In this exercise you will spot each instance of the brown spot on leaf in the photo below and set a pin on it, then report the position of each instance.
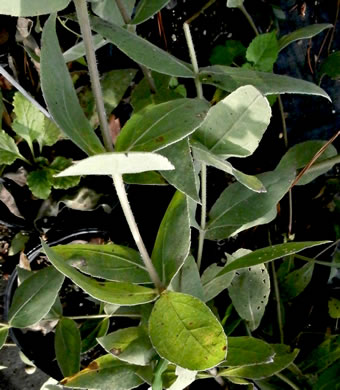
(64, 381)
(159, 139)
(93, 366)
(116, 351)
(224, 348)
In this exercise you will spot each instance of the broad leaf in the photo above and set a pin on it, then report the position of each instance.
(3, 336)
(295, 282)
(247, 351)
(59, 164)
(77, 51)
(184, 331)
(34, 298)
(235, 125)
(234, 3)
(67, 346)
(109, 11)
(118, 163)
(158, 126)
(121, 293)
(131, 345)
(40, 183)
(31, 7)
(9, 151)
(282, 359)
(172, 243)
(263, 51)
(105, 373)
(49, 134)
(111, 262)
(229, 79)
(302, 33)
(249, 292)
(146, 9)
(142, 51)
(331, 65)
(90, 330)
(60, 95)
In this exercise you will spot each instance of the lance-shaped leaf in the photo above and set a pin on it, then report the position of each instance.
(67, 346)
(142, 51)
(31, 7)
(109, 11)
(77, 51)
(111, 262)
(158, 126)
(146, 9)
(236, 124)
(229, 79)
(9, 151)
(184, 331)
(105, 373)
(173, 239)
(90, 330)
(60, 95)
(118, 163)
(303, 33)
(131, 345)
(34, 298)
(295, 282)
(3, 336)
(121, 293)
(282, 359)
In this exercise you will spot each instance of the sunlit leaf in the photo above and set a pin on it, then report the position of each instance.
(31, 7)
(9, 151)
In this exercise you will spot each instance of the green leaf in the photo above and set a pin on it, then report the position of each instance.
(183, 177)
(229, 79)
(157, 379)
(187, 280)
(234, 3)
(131, 345)
(109, 11)
(67, 346)
(334, 307)
(34, 298)
(158, 126)
(3, 336)
(295, 282)
(263, 51)
(329, 379)
(184, 331)
(282, 359)
(331, 65)
(172, 243)
(40, 183)
(247, 351)
(90, 330)
(56, 311)
(78, 51)
(49, 134)
(264, 255)
(121, 293)
(105, 373)
(9, 151)
(118, 163)
(142, 51)
(31, 7)
(18, 243)
(59, 164)
(145, 178)
(302, 33)
(236, 124)
(111, 262)
(146, 9)
(60, 95)
(227, 54)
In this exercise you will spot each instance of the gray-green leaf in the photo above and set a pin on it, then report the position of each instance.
(31, 7)
(9, 151)
(263, 51)
(146, 9)
(109, 11)
(234, 3)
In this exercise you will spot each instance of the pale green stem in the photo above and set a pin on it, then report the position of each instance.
(203, 214)
(84, 22)
(4, 325)
(333, 265)
(278, 302)
(102, 316)
(249, 18)
(130, 219)
(287, 380)
(335, 243)
(9, 345)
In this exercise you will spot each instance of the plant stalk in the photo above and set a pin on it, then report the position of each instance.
(287, 380)
(4, 325)
(242, 8)
(102, 316)
(203, 214)
(84, 22)
(333, 265)
(278, 302)
(124, 202)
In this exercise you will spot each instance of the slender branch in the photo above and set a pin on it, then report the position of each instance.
(287, 380)
(123, 12)
(335, 243)
(333, 265)
(249, 18)
(203, 214)
(84, 22)
(4, 325)
(278, 302)
(9, 345)
(102, 316)
(197, 14)
(124, 202)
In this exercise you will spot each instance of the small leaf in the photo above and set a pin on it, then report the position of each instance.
(109, 11)
(3, 336)
(67, 346)
(303, 33)
(49, 134)
(118, 163)
(331, 65)
(172, 243)
(60, 95)
(146, 9)
(90, 330)
(329, 379)
(131, 345)
(31, 7)
(106, 372)
(9, 151)
(121, 293)
(227, 54)
(263, 51)
(40, 183)
(295, 282)
(334, 307)
(34, 298)
(229, 79)
(18, 243)
(158, 126)
(234, 3)
(111, 262)
(59, 164)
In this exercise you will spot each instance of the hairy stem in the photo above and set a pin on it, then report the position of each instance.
(203, 214)
(84, 22)
(278, 302)
(124, 202)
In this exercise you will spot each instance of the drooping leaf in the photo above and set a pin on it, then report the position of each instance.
(249, 292)
(60, 95)
(31, 7)
(184, 331)
(227, 54)
(111, 262)
(334, 307)
(282, 359)
(331, 65)
(142, 51)
(67, 346)
(296, 281)
(263, 51)
(40, 183)
(131, 345)
(121, 293)
(158, 126)
(172, 243)
(118, 163)
(9, 151)
(234, 3)
(229, 79)
(105, 373)
(303, 33)
(34, 298)
(109, 11)
(3, 336)
(90, 330)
